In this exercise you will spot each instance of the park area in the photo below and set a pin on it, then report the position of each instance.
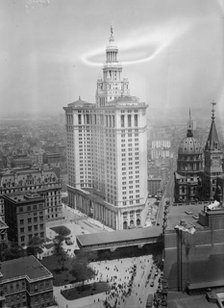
(61, 230)
(85, 290)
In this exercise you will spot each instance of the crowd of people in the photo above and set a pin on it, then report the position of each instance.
(129, 279)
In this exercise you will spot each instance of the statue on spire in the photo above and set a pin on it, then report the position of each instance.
(111, 34)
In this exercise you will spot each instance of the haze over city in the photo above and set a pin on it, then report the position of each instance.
(52, 52)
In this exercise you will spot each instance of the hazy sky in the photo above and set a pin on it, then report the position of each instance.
(172, 52)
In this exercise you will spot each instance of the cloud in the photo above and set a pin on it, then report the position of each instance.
(152, 40)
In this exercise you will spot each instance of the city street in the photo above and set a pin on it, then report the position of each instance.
(77, 223)
(119, 274)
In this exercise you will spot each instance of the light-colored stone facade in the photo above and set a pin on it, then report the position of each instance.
(107, 151)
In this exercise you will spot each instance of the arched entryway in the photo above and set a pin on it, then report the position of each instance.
(125, 225)
(132, 223)
(138, 222)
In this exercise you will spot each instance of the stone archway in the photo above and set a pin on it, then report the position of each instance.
(138, 222)
(125, 225)
(132, 223)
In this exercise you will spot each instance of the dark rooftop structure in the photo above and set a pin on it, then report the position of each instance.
(21, 198)
(27, 266)
(194, 247)
(109, 238)
(188, 213)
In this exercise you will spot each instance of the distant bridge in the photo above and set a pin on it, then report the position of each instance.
(121, 238)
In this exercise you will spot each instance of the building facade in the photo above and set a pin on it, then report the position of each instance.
(25, 282)
(188, 177)
(213, 156)
(107, 150)
(3, 232)
(44, 182)
(194, 247)
(25, 216)
(154, 185)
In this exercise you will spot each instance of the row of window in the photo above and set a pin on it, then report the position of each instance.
(31, 228)
(30, 220)
(129, 121)
(22, 238)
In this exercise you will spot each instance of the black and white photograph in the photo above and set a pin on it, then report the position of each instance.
(112, 153)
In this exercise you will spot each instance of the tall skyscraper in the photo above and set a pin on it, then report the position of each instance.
(107, 150)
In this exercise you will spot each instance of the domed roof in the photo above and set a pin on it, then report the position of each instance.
(189, 145)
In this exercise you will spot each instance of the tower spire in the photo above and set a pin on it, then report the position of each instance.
(111, 39)
(213, 140)
(189, 128)
(213, 110)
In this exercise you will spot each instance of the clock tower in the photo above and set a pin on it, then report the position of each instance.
(213, 160)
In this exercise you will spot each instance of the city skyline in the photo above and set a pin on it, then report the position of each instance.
(53, 52)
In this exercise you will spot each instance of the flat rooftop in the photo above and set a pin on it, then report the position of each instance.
(118, 236)
(27, 266)
(18, 198)
(188, 213)
(180, 299)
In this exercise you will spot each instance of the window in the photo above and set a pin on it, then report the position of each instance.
(129, 120)
(29, 220)
(122, 120)
(136, 119)
(21, 221)
(79, 119)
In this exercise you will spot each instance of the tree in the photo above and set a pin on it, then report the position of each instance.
(59, 251)
(81, 270)
(3, 249)
(34, 246)
(11, 251)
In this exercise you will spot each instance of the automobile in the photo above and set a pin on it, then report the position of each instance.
(68, 241)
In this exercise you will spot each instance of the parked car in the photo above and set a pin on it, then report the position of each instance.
(68, 241)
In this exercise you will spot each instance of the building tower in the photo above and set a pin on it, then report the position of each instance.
(107, 150)
(111, 86)
(189, 168)
(213, 156)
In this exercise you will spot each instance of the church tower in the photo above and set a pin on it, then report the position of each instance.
(189, 168)
(111, 86)
(213, 160)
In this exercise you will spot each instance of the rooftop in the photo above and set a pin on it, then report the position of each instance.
(80, 103)
(188, 213)
(118, 236)
(27, 266)
(18, 198)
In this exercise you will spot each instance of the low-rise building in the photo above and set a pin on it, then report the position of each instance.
(154, 185)
(45, 182)
(25, 216)
(194, 247)
(25, 282)
(3, 232)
